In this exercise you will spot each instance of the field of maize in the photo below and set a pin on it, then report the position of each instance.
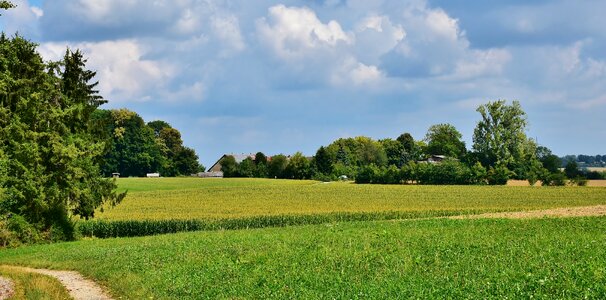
(169, 205)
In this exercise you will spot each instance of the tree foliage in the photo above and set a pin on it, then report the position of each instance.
(298, 167)
(49, 156)
(499, 139)
(277, 166)
(135, 148)
(445, 139)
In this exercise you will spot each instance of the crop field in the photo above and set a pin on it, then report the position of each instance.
(353, 253)
(437, 258)
(194, 198)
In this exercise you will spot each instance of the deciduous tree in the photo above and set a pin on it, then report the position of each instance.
(445, 139)
(499, 136)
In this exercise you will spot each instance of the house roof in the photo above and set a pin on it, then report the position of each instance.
(238, 157)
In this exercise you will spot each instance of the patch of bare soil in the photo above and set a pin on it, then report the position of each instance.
(77, 286)
(6, 288)
(601, 183)
(567, 212)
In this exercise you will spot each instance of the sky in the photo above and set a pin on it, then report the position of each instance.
(241, 76)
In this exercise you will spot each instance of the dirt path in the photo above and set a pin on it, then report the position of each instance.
(583, 211)
(6, 288)
(77, 286)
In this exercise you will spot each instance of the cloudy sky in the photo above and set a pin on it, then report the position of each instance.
(240, 76)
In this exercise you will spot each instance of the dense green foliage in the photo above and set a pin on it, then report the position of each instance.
(433, 259)
(445, 139)
(49, 157)
(135, 148)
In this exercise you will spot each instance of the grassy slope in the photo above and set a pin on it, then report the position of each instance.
(546, 258)
(193, 198)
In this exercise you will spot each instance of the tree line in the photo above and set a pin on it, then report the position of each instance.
(500, 151)
(134, 148)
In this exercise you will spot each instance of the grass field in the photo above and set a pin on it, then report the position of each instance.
(194, 198)
(422, 258)
(439, 258)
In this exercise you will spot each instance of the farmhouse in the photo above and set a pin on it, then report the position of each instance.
(434, 159)
(239, 158)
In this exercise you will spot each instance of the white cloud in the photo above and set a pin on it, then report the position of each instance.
(188, 23)
(38, 12)
(294, 33)
(353, 72)
(375, 36)
(442, 25)
(482, 63)
(227, 30)
(363, 73)
(122, 72)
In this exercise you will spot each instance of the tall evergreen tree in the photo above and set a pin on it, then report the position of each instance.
(50, 157)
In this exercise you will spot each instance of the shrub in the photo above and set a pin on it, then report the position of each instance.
(22, 230)
(368, 174)
(7, 237)
(391, 175)
(478, 174)
(498, 175)
(556, 179)
(579, 181)
(323, 177)
(594, 175)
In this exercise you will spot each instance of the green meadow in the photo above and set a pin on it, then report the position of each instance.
(438, 258)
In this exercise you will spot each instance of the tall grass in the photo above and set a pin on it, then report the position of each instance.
(33, 286)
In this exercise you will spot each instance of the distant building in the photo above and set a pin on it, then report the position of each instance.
(238, 157)
(218, 174)
(436, 159)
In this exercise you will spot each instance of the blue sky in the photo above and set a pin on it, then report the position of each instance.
(239, 76)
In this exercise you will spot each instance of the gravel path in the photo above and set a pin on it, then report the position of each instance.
(6, 288)
(77, 286)
(583, 211)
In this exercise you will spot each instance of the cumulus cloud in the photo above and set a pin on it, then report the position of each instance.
(122, 72)
(227, 30)
(375, 36)
(296, 32)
